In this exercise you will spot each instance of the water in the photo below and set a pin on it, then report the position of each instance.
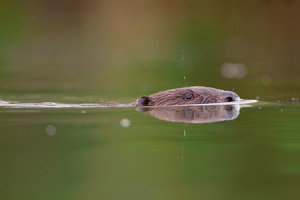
(59, 62)
(119, 153)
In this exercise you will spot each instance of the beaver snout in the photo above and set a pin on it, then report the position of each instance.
(231, 96)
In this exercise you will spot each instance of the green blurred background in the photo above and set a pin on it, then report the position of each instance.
(97, 51)
(119, 50)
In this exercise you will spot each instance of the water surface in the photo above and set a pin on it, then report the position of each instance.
(119, 153)
(91, 52)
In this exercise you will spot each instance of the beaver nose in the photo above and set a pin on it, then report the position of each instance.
(230, 96)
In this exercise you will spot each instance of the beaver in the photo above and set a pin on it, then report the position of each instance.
(187, 96)
(178, 96)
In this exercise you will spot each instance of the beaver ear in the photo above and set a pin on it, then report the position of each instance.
(143, 101)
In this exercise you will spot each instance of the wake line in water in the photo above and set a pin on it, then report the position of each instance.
(53, 105)
(6, 104)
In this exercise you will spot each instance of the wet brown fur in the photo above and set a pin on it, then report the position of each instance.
(188, 95)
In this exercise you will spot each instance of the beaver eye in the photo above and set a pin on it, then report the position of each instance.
(188, 97)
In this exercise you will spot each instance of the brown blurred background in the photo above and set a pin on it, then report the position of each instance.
(124, 49)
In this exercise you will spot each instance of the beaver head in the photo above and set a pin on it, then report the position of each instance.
(188, 95)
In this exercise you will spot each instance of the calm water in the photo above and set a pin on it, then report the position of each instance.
(100, 51)
(120, 153)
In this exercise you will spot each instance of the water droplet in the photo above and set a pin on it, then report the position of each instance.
(125, 123)
(50, 130)
(234, 70)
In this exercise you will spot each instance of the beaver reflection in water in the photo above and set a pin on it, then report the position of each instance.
(186, 96)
